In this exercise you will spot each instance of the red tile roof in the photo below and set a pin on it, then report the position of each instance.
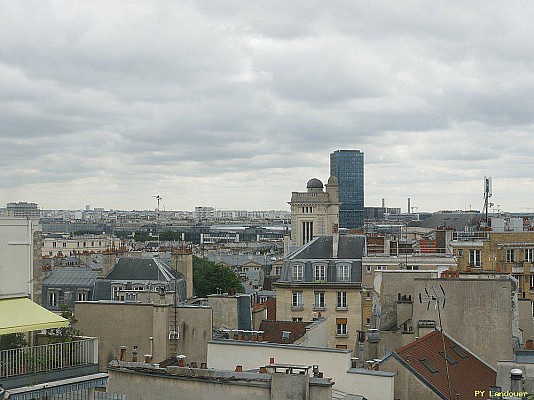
(467, 372)
(273, 330)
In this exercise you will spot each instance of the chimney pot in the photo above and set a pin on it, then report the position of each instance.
(193, 364)
(181, 360)
(122, 356)
(354, 362)
(271, 360)
(263, 370)
(238, 368)
(260, 336)
(203, 365)
(320, 375)
(148, 358)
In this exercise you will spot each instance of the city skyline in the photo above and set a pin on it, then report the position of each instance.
(236, 107)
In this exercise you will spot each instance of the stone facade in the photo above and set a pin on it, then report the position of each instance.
(315, 212)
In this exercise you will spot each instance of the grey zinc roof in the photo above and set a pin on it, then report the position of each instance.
(349, 247)
(148, 269)
(455, 220)
(71, 276)
(319, 248)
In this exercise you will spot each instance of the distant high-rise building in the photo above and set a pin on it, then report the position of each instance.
(347, 167)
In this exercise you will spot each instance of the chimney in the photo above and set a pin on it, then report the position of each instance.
(203, 365)
(271, 360)
(516, 375)
(134, 354)
(148, 358)
(238, 368)
(383, 203)
(260, 336)
(122, 356)
(263, 370)
(181, 360)
(409, 206)
(182, 261)
(354, 362)
(193, 364)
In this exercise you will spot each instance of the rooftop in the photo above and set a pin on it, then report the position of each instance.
(425, 358)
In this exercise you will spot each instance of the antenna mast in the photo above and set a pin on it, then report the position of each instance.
(487, 194)
(438, 298)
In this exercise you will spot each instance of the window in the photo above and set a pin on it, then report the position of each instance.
(412, 267)
(381, 268)
(64, 244)
(297, 272)
(131, 296)
(341, 346)
(510, 255)
(341, 299)
(367, 295)
(93, 243)
(82, 296)
(319, 300)
(474, 258)
(462, 354)
(343, 273)
(450, 358)
(319, 272)
(341, 326)
(460, 252)
(54, 244)
(307, 232)
(529, 255)
(138, 287)
(277, 271)
(297, 299)
(369, 269)
(532, 283)
(367, 321)
(52, 298)
(115, 292)
(296, 319)
(428, 365)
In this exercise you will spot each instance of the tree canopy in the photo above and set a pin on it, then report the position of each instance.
(209, 277)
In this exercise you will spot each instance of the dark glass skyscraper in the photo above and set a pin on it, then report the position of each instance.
(347, 167)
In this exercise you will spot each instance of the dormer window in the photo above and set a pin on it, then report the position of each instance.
(320, 272)
(343, 273)
(297, 272)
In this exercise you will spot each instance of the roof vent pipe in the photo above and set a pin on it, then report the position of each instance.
(134, 354)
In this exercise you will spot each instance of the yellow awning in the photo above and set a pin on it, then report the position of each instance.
(23, 315)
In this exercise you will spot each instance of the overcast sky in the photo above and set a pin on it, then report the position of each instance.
(235, 104)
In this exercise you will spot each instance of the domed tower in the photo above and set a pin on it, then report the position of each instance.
(314, 212)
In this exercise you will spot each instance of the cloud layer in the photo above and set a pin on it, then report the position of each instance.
(235, 104)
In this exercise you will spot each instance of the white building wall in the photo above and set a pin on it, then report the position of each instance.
(16, 257)
(335, 364)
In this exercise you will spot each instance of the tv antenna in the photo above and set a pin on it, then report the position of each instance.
(437, 297)
(158, 199)
(487, 194)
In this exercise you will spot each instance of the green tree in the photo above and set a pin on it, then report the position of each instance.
(68, 333)
(208, 277)
(12, 341)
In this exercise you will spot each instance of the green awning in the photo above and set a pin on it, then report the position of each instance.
(23, 315)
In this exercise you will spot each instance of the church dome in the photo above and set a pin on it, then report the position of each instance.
(314, 183)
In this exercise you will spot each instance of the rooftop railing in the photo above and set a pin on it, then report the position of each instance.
(49, 357)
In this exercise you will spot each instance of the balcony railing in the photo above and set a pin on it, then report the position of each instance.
(49, 357)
